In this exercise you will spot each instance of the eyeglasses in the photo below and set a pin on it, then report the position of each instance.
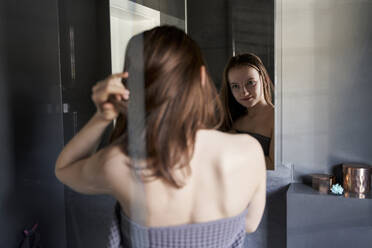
(247, 85)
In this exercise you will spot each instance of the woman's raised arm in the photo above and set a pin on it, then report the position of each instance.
(77, 164)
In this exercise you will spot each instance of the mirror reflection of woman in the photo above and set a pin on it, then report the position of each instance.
(197, 192)
(246, 95)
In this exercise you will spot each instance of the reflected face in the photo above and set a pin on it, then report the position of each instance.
(246, 85)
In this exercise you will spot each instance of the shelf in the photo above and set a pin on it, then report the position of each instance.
(327, 220)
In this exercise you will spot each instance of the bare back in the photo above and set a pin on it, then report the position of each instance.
(226, 171)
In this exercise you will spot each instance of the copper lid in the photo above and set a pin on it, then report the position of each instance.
(322, 176)
(355, 169)
(322, 182)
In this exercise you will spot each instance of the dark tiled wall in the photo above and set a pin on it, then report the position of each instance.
(6, 148)
(208, 24)
(253, 29)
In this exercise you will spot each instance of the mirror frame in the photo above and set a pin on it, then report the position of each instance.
(278, 89)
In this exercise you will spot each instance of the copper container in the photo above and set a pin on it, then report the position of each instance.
(322, 182)
(357, 180)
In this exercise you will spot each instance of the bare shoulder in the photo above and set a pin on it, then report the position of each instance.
(238, 142)
(270, 114)
(271, 118)
(244, 150)
(244, 165)
(240, 168)
(114, 161)
(237, 151)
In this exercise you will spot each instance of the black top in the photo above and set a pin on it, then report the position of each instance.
(264, 140)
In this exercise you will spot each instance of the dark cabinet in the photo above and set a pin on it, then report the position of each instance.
(326, 220)
(52, 52)
(31, 123)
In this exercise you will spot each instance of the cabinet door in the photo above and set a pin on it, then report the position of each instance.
(85, 59)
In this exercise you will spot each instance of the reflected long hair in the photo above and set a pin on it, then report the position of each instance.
(177, 104)
(232, 109)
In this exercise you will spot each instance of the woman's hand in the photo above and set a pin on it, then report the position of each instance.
(110, 97)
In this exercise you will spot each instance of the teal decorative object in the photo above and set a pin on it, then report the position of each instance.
(337, 189)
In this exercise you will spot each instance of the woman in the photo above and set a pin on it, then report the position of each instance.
(246, 96)
(192, 190)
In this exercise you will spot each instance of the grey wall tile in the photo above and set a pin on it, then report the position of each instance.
(174, 8)
(154, 4)
(207, 23)
(216, 59)
(166, 19)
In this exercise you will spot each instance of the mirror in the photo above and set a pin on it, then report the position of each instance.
(248, 82)
(243, 27)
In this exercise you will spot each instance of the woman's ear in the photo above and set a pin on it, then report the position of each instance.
(203, 75)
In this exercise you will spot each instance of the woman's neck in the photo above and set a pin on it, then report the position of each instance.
(257, 109)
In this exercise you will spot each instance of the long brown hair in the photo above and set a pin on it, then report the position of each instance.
(177, 104)
(232, 109)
